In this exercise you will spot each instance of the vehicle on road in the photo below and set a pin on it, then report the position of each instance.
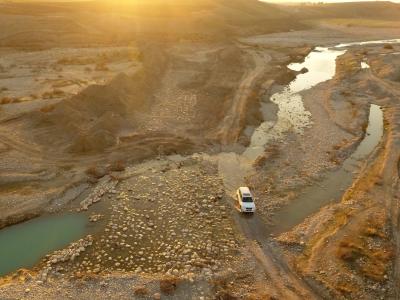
(245, 200)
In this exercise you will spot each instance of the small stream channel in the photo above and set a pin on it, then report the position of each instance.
(332, 187)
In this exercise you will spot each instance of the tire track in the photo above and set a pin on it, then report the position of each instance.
(230, 128)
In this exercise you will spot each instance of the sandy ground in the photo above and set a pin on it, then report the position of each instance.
(139, 129)
(59, 73)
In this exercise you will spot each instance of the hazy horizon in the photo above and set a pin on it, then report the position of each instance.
(268, 1)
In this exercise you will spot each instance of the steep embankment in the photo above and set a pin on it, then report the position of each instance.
(92, 120)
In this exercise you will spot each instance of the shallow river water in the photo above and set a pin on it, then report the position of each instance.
(23, 245)
(332, 187)
(292, 116)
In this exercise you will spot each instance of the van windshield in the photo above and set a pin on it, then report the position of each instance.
(247, 199)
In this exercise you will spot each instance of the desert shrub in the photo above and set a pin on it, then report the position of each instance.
(372, 263)
(60, 84)
(46, 95)
(6, 100)
(47, 108)
(140, 291)
(76, 61)
(373, 232)
(53, 94)
(348, 254)
(345, 288)
(168, 285)
(376, 266)
(102, 66)
(117, 166)
(349, 251)
(225, 295)
(58, 93)
(96, 172)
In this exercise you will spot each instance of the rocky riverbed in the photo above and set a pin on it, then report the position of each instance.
(146, 230)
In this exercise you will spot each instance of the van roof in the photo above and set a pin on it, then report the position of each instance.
(245, 190)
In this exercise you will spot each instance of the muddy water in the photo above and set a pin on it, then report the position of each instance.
(314, 197)
(321, 66)
(23, 245)
(292, 116)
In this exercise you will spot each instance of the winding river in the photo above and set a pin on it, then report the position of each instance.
(292, 116)
(23, 245)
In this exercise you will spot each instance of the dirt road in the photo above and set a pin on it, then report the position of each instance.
(231, 125)
(287, 282)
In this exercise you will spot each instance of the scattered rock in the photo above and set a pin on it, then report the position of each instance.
(157, 296)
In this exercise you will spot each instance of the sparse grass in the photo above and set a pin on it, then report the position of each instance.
(369, 251)
(347, 66)
(376, 266)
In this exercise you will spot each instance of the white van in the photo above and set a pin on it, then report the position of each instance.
(245, 200)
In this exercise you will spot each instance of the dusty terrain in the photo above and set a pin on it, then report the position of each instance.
(142, 117)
